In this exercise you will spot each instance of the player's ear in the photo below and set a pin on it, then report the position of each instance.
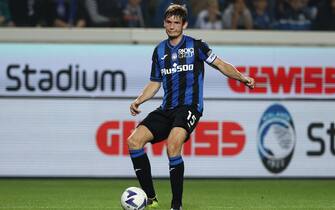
(185, 25)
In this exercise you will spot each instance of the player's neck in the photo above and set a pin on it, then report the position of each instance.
(175, 40)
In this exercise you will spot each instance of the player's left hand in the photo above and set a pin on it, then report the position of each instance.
(250, 82)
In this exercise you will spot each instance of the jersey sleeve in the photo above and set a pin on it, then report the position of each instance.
(205, 53)
(155, 70)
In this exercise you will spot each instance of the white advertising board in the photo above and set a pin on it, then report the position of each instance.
(66, 137)
(96, 70)
(64, 112)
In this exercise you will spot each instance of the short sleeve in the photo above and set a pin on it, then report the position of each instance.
(155, 70)
(205, 53)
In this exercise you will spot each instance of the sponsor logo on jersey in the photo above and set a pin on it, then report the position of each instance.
(162, 58)
(177, 68)
(186, 53)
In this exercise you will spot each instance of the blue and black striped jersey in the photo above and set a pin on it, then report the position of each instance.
(181, 70)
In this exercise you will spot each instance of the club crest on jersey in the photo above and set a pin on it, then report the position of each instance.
(174, 56)
(186, 53)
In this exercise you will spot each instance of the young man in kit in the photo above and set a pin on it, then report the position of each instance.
(177, 63)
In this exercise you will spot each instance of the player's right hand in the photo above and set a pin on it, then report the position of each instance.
(134, 110)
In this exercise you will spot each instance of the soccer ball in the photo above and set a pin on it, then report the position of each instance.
(134, 198)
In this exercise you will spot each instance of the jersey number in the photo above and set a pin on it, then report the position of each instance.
(191, 118)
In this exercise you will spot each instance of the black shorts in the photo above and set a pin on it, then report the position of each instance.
(160, 122)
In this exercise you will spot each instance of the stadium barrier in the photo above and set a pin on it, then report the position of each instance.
(64, 98)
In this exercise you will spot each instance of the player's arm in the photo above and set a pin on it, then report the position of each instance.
(230, 71)
(148, 92)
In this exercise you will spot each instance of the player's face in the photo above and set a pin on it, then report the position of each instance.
(174, 26)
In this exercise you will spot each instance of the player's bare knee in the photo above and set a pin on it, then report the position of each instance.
(133, 142)
(173, 149)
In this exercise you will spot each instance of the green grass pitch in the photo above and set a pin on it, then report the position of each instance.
(213, 194)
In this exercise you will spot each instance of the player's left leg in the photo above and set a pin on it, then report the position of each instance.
(185, 119)
(175, 142)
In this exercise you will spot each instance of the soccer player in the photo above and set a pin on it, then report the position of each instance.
(178, 64)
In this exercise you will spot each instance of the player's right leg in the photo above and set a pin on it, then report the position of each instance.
(136, 141)
(154, 128)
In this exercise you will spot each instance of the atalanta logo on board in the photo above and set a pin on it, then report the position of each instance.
(276, 138)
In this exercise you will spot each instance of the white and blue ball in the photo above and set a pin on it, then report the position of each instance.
(134, 198)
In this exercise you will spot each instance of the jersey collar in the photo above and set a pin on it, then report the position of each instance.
(176, 46)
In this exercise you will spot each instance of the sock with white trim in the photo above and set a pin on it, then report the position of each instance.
(143, 171)
(176, 180)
